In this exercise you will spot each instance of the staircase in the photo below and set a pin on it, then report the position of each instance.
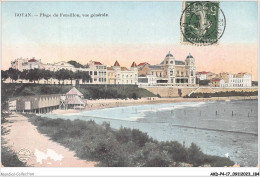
(193, 91)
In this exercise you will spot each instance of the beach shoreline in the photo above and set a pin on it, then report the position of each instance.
(111, 103)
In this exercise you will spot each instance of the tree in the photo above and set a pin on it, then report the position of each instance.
(76, 64)
(47, 74)
(86, 66)
(195, 155)
(134, 96)
(34, 75)
(71, 76)
(58, 75)
(24, 74)
(62, 74)
(4, 74)
(78, 75)
(13, 73)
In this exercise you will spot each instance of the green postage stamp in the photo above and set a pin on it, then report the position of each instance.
(202, 23)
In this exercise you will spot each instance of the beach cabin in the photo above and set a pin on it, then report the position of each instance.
(75, 91)
(75, 99)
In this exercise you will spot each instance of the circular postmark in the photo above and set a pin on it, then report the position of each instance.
(202, 23)
(24, 155)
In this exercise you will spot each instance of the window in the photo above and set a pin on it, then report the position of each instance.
(95, 73)
(90, 72)
(171, 62)
(191, 73)
(171, 73)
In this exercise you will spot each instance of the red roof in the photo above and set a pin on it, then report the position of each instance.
(116, 64)
(133, 65)
(204, 72)
(142, 64)
(97, 63)
(215, 80)
(32, 60)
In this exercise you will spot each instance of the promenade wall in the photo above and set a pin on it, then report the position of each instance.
(173, 91)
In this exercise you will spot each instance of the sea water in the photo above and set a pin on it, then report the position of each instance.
(218, 128)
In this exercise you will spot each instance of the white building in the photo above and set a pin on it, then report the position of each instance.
(58, 66)
(122, 75)
(172, 72)
(97, 71)
(148, 80)
(202, 75)
(26, 64)
(237, 80)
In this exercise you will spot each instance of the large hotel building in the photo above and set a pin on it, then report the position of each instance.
(171, 72)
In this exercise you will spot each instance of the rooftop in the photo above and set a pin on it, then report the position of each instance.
(97, 63)
(32, 60)
(74, 91)
(203, 72)
(142, 64)
(169, 54)
(133, 65)
(110, 68)
(216, 79)
(116, 64)
(179, 62)
(123, 69)
(189, 56)
(155, 67)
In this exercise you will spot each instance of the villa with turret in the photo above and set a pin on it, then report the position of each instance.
(171, 72)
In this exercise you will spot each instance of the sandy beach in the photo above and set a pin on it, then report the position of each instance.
(37, 149)
(110, 103)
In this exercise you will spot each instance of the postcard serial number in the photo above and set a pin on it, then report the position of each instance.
(234, 174)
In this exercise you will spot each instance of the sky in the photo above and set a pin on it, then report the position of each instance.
(132, 31)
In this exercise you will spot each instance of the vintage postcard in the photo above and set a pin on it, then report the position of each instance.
(129, 84)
